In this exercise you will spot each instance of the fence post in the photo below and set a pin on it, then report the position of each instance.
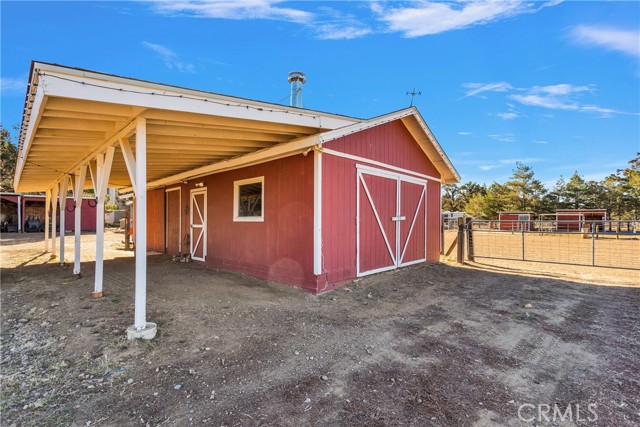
(127, 226)
(470, 256)
(523, 244)
(593, 244)
(441, 235)
(460, 241)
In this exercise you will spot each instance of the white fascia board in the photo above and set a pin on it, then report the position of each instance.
(101, 88)
(432, 139)
(366, 124)
(36, 113)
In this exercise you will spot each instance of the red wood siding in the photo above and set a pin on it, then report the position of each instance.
(433, 221)
(510, 221)
(174, 238)
(281, 247)
(87, 216)
(338, 220)
(155, 220)
(390, 143)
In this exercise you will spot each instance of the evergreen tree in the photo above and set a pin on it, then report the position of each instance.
(8, 158)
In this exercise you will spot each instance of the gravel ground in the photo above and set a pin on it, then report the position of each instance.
(429, 345)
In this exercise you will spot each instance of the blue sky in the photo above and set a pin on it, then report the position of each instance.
(555, 85)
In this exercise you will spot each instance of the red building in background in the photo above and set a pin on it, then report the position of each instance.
(576, 219)
(16, 209)
(516, 221)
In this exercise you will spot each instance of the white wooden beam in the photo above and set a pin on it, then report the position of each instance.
(101, 181)
(317, 212)
(141, 328)
(112, 89)
(54, 209)
(78, 189)
(37, 108)
(141, 225)
(47, 209)
(129, 161)
(62, 199)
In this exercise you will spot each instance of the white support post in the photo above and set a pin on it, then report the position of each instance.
(47, 209)
(54, 209)
(78, 190)
(141, 328)
(317, 212)
(20, 221)
(62, 198)
(101, 181)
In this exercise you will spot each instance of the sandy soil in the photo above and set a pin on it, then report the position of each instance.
(429, 345)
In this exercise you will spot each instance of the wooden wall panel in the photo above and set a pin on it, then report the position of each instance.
(390, 143)
(433, 221)
(155, 220)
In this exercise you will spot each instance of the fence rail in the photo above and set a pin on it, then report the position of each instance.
(596, 243)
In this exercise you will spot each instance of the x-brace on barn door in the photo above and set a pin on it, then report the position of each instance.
(198, 210)
(391, 220)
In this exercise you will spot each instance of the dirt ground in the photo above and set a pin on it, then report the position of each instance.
(429, 345)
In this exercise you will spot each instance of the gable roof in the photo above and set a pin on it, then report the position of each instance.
(72, 114)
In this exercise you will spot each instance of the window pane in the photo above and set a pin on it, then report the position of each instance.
(250, 199)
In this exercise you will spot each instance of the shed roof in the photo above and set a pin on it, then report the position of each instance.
(72, 114)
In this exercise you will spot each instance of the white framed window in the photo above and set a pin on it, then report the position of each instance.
(248, 200)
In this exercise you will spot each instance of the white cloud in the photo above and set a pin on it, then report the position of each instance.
(544, 101)
(626, 41)
(337, 32)
(170, 58)
(233, 9)
(508, 116)
(507, 137)
(487, 167)
(561, 89)
(562, 96)
(326, 23)
(465, 133)
(431, 17)
(537, 141)
(477, 88)
(10, 84)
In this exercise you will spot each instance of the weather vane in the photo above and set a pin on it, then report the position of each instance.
(413, 93)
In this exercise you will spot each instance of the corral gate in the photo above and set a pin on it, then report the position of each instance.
(613, 244)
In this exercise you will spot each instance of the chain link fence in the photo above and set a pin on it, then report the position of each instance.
(613, 244)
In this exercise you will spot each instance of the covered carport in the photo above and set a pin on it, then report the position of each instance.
(83, 129)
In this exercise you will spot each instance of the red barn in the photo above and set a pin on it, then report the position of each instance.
(575, 219)
(18, 208)
(377, 207)
(302, 197)
(516, 221)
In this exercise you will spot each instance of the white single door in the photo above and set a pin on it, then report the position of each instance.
(198, 236)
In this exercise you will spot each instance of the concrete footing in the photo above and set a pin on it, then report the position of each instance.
(146, 333)
(97, 295)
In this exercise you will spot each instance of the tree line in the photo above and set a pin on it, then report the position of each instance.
(618, 193)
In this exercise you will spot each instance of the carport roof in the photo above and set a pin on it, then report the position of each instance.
(73, 114)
